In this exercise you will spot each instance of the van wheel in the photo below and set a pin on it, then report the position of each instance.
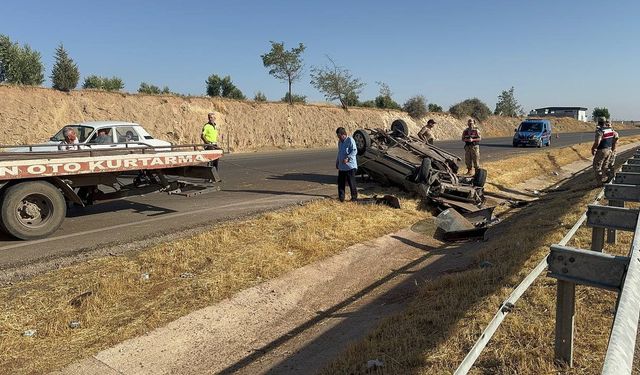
(400, 128)
(32, 210)
(362, 139)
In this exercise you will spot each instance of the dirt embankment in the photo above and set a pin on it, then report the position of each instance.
(33, 114)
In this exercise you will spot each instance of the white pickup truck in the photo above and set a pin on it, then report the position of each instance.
(38, 182)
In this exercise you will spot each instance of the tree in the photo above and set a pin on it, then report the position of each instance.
(19, 65)
(473, 107)
(65, 73)
(260, 97)
(336, 83)
(507, 104)
(103, 83)
(416, 106)
(223, 87)
(368, 104)
(284, 65)
(384, 100)
(600, 112)
(146, 88)
(293, 99)
(434, 107)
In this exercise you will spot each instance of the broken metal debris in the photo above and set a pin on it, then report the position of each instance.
(29, 333)
(74, 324)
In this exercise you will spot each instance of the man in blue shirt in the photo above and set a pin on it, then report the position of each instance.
(346, 164)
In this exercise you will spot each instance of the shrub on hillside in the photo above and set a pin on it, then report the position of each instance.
(146, 88)
(416, 106)
(368, 104)
(434, 108)
(473, 107)
(103, 83)
(260, 97)
(223, 87)
(294, 99)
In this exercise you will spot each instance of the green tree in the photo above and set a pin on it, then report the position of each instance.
(368, 104)
(19, 65)
(507, 104)
(385, 100)
(293, 99)
(217, 86)
(260, 97)
(416, 106)
(65, 74)
(336, 83)
(473, 107)
(434, 107)
(284, 65)
(112, 84)
(146, 88)
(600, 112)
(352, 99)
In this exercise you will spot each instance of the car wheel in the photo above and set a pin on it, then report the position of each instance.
(515, 144)
(400, 128)
(480, 178)
(362, 139)
(549, 142)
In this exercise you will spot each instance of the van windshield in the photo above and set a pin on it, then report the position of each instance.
(530, 127)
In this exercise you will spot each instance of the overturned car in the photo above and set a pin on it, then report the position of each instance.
(394, 157)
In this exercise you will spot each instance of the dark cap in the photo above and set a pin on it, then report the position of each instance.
(431, 121)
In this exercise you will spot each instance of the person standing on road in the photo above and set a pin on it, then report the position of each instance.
(604, 151)
(425, 133)
(346, 164)
(209, 136)
(471, 138)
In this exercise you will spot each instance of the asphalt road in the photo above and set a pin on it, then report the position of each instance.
(251, 183)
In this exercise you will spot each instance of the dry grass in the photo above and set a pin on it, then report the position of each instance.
(439, 327)
(230, 258)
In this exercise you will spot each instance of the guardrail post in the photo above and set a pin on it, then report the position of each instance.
(597, 239)
(565, 311)
(611, 233)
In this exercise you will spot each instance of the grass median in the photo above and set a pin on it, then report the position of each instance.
(116, 298)
(444, 320)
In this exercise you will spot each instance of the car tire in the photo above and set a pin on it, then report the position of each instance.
(480, 178)
(400, 128)
(40, 198)
(515, 144)
(363, 141)
(424, 171)
(549, 142)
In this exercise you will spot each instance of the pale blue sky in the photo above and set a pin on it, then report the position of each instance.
(555, 53)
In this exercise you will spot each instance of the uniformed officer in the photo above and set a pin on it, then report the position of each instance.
(209, 136)
(471, 138)
(604, 151)
(425, 133)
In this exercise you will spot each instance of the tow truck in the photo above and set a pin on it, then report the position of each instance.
(38, 185)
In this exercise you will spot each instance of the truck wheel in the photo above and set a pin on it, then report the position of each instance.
(400, 128)
(480, 177)
(32, 210)
(362, 139)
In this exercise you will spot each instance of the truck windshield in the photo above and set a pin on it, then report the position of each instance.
(82, 133)
(530, 127)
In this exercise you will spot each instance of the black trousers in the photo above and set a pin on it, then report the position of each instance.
(347, 177)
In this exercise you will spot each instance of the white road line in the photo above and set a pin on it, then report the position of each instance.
(170, 216)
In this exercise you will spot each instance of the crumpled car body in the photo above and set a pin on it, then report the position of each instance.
(393, 157)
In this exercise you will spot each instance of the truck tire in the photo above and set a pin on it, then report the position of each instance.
(362, 139)
(400, 128)
(32, 210)
(480, 178)
(424, 171)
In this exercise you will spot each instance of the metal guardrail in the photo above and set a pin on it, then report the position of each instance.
(590, 267)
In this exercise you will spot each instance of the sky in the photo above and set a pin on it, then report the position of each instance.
(555, 53)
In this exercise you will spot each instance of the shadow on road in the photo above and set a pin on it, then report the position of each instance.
(276, 192)
(308, 177)
(119, 205)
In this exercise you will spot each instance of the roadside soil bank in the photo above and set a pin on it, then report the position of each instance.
(33, 114)
(136, 293)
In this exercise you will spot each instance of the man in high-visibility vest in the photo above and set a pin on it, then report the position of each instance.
(471, 138)
(210, 137)
(604, 151)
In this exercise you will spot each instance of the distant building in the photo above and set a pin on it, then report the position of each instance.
(578, 113)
